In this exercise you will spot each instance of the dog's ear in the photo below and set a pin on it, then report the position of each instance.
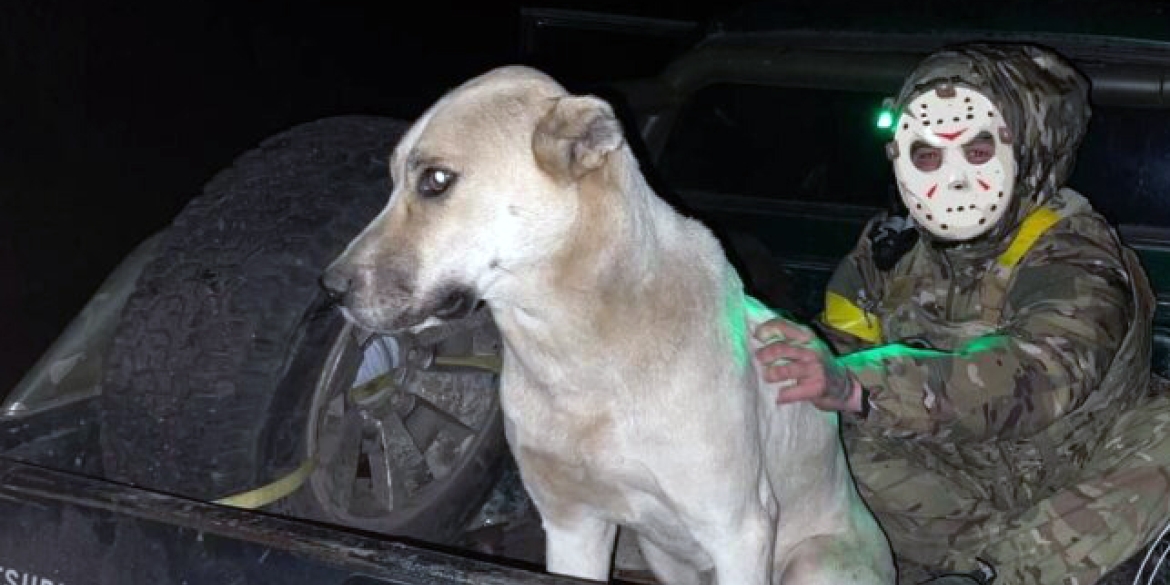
(575, 136)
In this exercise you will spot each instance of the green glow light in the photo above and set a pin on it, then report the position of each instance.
(740, 310)
(982, 344)
(756, 310)
(887, 115)
(877, 356)
(735, 314)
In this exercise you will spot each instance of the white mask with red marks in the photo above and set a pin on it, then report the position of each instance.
(953, 161)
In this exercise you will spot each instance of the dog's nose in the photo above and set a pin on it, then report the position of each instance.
(336, 281)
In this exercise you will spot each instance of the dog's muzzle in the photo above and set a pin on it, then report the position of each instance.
(380, 301)
(337, 282)
(359, 285)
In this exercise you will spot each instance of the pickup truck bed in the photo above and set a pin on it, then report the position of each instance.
(64, 526)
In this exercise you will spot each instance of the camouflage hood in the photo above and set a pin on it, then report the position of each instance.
(1045, 103)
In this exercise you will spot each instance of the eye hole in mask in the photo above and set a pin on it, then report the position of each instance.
(980, 149)
(925, 157)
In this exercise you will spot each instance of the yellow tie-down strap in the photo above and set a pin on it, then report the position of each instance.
(841, 314)
(1030, 230)
(267, 494)
(285, 486)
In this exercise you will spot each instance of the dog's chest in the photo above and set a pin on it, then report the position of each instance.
(560, 480)
(599, 478)
(580, 459)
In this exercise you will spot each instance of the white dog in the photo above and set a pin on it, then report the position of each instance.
(627, 387)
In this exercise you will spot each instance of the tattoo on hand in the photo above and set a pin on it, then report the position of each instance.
(838, 384)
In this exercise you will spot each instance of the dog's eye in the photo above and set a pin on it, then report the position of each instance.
(435, 181)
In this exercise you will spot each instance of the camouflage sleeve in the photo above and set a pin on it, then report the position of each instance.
(1066, 313)
(847, 321)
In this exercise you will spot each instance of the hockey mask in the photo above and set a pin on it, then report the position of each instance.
(954, 163)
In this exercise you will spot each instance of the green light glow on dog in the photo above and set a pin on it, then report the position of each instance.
(736, 322)
(757, 311)
(742, 310)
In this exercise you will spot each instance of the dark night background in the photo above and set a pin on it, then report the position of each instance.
(113, 115)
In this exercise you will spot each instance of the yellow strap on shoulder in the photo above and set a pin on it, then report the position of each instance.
(1030, 230)
(841, 314)
(264, 495)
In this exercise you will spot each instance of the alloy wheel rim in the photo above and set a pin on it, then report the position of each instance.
(391, 419)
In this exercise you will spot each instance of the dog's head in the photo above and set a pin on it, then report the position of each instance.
(486, 185)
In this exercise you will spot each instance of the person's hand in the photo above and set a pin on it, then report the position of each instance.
(792, 353)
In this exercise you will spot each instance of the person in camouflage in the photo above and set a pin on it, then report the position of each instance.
(995, 374)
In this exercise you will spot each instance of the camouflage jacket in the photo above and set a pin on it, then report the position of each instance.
(1003, 361)
(1009, 365)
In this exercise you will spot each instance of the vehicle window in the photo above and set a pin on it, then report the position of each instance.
(810, 145)
(816, 145)
(1123, 166)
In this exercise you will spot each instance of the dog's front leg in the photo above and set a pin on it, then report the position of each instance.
(743, 555)
(582, 547)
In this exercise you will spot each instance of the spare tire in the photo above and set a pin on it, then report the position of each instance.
(229, 369)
